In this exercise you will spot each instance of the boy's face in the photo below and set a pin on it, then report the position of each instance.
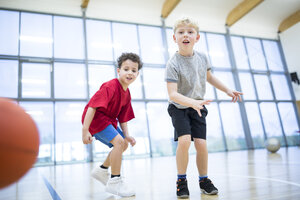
(186, 36)
(128, 72)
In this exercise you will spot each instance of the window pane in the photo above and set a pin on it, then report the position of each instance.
(172, 46)
(136, 88)
(289, 122)
(69, 80)
(98, 74)
(36, 80)
(42, 114)
(36, 35)
(201, 44)
(255, 53)
(255, 124)
(281, 88)
(9, 34)
(214, 130)
(271, 120)
(151, 45)
(155, 86)
(247, 86)
(161, 129)
(233, 129)
(240, 54)
(263, 87)
(99, 40)
(273, 55)
(218, 50)
(125, 39)
(227, 79)
(69, 146)
(138, 129)
(9, 78)
(68, 38)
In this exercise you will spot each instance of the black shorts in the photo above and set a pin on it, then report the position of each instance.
(188, 122)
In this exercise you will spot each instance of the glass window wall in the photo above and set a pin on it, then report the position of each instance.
(55, 85)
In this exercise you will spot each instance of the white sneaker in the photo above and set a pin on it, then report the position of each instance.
(117, 186)
(101, 174)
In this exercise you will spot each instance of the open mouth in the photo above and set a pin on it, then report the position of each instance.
(185, 42)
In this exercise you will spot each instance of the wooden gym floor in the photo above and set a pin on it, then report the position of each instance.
(239, 175)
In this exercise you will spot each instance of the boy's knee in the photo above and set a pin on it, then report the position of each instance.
(200, 144)
(184, 141)
(125, 145)
(118, 142)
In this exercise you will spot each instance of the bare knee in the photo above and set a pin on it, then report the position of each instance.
(125, 146)
(200, 145)
(118, 142)
(184, 142)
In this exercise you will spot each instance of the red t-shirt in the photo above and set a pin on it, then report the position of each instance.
(112, 104)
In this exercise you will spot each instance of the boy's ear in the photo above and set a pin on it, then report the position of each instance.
(198, 37)
(118, 70)
(174, 38)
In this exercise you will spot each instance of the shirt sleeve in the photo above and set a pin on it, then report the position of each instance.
(208, 65)
(101, 98)
(126, 113)
(171, 74)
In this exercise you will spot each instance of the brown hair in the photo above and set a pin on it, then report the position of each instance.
(130, 56)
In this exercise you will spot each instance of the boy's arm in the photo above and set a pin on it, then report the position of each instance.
(219, 85)
(124, 128)
(86, 135)
(183, 100)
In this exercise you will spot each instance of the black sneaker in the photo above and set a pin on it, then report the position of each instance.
(182, 189)
(207, 187)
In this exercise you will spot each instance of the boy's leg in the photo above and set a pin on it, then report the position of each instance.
(182, 159)
(101, 173)
(116, 154)
(116, 184)
(182, 134)
(201, 156)
(106, 163)
(182, 153)
(207, 187)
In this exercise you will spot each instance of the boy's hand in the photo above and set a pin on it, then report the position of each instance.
(86, 137)
(236, 95)
(131, 140)
(198, 105)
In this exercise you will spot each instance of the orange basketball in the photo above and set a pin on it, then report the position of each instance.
(19, 142)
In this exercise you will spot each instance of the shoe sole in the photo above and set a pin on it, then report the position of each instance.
(115, 193)
(183, 197)
(214, 192)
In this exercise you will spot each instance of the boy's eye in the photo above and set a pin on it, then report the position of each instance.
(133, 71)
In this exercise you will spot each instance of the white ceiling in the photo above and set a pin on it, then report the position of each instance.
(262, 21)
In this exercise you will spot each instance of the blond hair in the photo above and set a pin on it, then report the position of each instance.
(186, 21)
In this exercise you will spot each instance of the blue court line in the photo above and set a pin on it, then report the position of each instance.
(51, 190)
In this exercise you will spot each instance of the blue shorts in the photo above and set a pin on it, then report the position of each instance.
(108, 134)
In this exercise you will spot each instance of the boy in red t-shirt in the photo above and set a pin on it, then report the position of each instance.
(109, 105)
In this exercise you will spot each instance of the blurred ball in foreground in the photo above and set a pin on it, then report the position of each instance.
(19, 142)
(273, 145)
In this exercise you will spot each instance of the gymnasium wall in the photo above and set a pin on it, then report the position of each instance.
(290, 40)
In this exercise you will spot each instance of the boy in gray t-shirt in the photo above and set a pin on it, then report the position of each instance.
(186, 75)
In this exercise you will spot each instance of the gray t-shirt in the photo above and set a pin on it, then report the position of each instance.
(190, 75)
